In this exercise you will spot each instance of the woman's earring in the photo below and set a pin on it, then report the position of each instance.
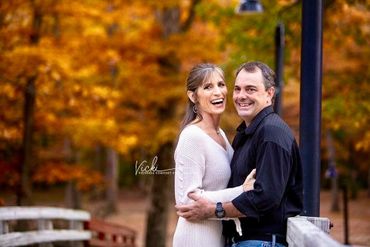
(195, 110)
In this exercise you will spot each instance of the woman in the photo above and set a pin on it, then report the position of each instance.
(203, 155)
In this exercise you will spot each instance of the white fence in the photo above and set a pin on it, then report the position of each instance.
(310, 231)
(45, 232)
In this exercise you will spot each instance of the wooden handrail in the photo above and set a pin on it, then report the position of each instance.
(309, 231)
(110, 234)
(93, 232)
(33, 213)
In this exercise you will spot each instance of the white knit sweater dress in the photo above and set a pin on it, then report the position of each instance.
(202, 166)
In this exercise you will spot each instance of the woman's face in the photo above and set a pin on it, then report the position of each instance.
(212, 95)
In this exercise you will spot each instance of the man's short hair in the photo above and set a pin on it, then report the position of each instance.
(267, 73)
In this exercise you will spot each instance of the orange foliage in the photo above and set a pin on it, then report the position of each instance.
(106, 75)
(53, 173)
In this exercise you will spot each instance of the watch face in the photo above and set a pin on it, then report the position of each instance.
(220, 214)
(220, 211)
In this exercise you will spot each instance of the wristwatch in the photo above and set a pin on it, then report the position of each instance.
(220, 211)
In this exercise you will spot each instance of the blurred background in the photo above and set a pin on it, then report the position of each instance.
(92, 89)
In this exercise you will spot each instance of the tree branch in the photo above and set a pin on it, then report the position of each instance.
(187, 23)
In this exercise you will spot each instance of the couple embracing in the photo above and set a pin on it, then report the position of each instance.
(239, 194)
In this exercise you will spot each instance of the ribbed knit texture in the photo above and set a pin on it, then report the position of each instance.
(202, 166)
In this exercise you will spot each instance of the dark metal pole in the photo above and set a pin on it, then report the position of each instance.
(279, 66)
(345, 214)
(310, 109)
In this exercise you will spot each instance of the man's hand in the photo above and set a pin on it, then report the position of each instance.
(249, 181)
(200, 209)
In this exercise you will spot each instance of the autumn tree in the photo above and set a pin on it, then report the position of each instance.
(22, 45)
(346, 104)
(87, 84)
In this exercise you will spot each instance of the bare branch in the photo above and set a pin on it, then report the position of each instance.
(187, 24)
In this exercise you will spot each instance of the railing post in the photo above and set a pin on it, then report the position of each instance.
(4, 227)
(43, 224)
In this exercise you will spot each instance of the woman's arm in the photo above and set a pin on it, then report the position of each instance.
(227, 195)
(189, 179)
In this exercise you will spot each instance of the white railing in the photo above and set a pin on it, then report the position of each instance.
(310, 231)
(43, 217)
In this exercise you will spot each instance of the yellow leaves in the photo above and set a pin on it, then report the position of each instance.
(106, 93)
(252, 33)
(112, 56)
(126, 143)
(111, 104)
(23, 60)
(166, 134)
(364, 144)
(55, 172)
(86, 71)
(8, 90)
(88, 131)
(284, 3)
(55, 75)
(52, 173)
(94, 32)
(196, 46)
(82, 9)
(355, 13)
(10, 133)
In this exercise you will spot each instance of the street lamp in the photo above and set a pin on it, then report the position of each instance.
(310, 93)
(279, 58)
(249, 6)
(254, 6)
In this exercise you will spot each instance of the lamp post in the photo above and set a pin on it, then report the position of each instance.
(254, 6)
(279, 65)
(310, 109)
(310, 93)
(279, 58)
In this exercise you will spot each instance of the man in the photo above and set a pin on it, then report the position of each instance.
(265, 142)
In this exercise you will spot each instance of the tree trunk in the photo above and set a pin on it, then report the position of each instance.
(158, 213)
(162, 188)
(25, 187)
(99, 165)
(368, 183)
(24, 192)
(72, 198)
(162, 185)
(112, 180)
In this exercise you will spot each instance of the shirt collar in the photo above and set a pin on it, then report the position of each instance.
(255, 122)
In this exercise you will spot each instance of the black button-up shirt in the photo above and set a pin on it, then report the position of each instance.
(268, 145)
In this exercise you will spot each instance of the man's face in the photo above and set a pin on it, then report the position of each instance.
(250, 95)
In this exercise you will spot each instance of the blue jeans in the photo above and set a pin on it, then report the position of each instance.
(256, 243)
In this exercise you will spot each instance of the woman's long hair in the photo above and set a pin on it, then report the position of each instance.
(197, 76)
